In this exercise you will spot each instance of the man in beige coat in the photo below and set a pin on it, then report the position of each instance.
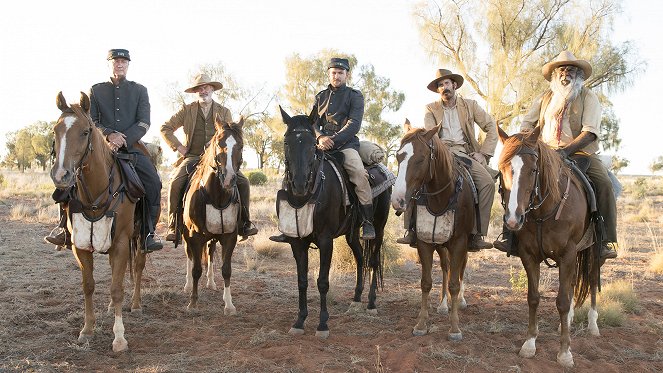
(197, 122)
(569, 115)
(457, 116)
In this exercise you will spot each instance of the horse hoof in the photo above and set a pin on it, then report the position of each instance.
(594, 332)
(565, 359)
(192, 307)
(187, 289)
(211, 286)
(372, 311)
(463, 304)
(455, 337)
(527, 352)
(84, 338)
(418, 333)
(228, 311)
(322, 334)
(296, 331)
(137, 311)
(443, 310)
(120, 345)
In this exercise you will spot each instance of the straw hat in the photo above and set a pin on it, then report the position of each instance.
(563, 59)
(202, 79)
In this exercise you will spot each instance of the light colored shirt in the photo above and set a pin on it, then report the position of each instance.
(549, 131)
(451, 131)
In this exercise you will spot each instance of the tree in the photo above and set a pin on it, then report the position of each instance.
(656, 165)
(23, 151)
(42, 138)
(305, 77)
(499, 46)
(258, 137)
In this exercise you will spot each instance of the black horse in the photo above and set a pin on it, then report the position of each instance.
(311, 178)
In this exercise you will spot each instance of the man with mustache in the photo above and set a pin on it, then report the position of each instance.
(457, 116)
(569, 115)
(197, 122)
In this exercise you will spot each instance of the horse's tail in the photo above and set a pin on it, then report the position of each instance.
(586, 274)
(373, 259)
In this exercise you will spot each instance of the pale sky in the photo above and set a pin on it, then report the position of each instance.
(51, 46)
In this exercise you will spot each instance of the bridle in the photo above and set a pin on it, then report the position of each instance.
(431, 162)
(318, 157)
(536, 191)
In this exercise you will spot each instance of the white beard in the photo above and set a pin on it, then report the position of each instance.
(564, 95)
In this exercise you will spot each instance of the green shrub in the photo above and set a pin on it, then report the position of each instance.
(518, 280)
(257, 178)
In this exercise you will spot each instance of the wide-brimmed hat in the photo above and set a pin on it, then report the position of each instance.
(118, 53)
(202, 79)
(563, 59)
(441, 74)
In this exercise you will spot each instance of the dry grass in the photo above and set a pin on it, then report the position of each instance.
(656, 263)
(35, 184)
(616, 300)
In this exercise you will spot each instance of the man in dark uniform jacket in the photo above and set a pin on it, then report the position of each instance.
(121, 109)
(339, 110)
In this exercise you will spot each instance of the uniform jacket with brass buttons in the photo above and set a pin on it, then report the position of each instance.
(124, 107)
(338, 115)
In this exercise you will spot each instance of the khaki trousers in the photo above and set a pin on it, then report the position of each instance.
(355, 169)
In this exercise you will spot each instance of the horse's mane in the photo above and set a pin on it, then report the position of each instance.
(207, 159)
(551, 167)
(98, 141)
(442, 152)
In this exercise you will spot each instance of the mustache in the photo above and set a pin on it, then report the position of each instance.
(446, 90)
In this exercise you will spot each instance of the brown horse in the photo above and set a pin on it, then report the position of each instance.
(211, 208)
(427, 169)
(84, 161)
(546, 208)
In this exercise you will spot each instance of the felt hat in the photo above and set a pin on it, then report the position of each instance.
(563, 59)
(202, 79)
(441, 74)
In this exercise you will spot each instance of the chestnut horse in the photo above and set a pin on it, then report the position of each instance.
(84, 161)
(213, 198)
(546, 208)
(310, 178)
(427, 169)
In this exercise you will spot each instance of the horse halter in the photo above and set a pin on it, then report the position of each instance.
(431, 158)
(218, 168)
(536, 191)
(318, 156)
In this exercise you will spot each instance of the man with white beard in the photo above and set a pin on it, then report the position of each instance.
(569, 115)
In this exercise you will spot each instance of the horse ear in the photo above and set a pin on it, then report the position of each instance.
(503, 135)
(61, 102)
(284, 115)
(534, 135)
(407, 126)
(431, 132)
(240, 122)
(85, 102)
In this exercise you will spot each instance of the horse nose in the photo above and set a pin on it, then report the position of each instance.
(398, 203)
(61, 177)
(514, 221)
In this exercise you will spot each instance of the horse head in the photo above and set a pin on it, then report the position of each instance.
(227, 143)
(73, 133)
(519, 175)
(300, 152)
(414, 158)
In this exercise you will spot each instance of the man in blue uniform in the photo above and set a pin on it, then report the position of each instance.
(339, 110)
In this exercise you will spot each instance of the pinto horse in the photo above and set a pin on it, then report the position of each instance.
(311, 177)
(427, 169)
(546, 208)
(84, 161)
(211, 208)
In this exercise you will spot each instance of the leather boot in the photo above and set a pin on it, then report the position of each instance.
(506, 243)
(477, 244)
(152, 243)
(172, 234)
(607, 251)
(367, 228)
(409, 239)
(58, 236)
(282, 238)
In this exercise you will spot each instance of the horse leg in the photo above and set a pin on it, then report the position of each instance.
(425, 251)
(227, 247)
(443, 308)
(300, 252)
(326, 246)
(533, 269)
(375, 266)
(592, 314)
(86, 264)
(564, 300)
(355, 246)
(458, 260)
(119, 257)
(211, 248)
(195, 245)
(139, 265)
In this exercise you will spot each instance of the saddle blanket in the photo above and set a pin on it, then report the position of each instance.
(219, 221)
(91, 236)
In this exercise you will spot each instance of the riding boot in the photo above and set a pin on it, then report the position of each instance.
(477, 243)
(608, 251)
(409, 239)
(151, 242)
(58, 236)
(246, 227)
(506, 243)
(282, 238)
(367, 229)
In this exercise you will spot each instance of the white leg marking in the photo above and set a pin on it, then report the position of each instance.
(228, 299)
(443, 308)
(400, 188)
(211, 283)
(565, 358)
(571, 314)
(119, 343)
(528, 349)
(512, 205)
(592, 317)
(461, 296)
(188, 286)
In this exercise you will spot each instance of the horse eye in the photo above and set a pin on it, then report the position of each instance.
(86, 132)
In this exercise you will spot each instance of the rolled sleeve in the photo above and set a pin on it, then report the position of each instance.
(487, 125)
(429, 118)
(591, 115)
(531, 119)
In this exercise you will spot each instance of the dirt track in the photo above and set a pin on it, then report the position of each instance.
(42, 315)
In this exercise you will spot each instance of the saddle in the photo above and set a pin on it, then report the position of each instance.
(133, 186)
